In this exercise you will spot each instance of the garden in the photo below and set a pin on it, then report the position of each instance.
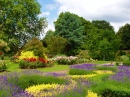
(63, 76)
(81, 58)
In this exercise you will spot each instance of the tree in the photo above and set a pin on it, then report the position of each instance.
(55, 44)
(124, 35)
(102, 42)
(19, 20)
(102, 24)
(70, 26)
(4, 46)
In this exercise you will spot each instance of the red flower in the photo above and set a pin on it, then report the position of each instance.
(0, 53)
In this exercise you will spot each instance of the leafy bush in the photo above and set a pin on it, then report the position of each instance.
(36, 46)
(75, 71)
(104, 86)
(34, 63)
(3, 65)
(27, 54)
(124, 58)
(111, 68)
(126, 63)
(26, 81)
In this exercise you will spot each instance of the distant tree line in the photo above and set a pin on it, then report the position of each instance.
(20, 24)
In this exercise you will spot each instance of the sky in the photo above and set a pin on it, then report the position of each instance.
(116, 12)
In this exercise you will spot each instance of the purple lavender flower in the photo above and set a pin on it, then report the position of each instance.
(84, 66)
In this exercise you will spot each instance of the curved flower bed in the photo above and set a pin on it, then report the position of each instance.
(48, 90)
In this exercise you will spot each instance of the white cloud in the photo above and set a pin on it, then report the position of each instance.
(117, 12)
(51, 6)
(44, 14)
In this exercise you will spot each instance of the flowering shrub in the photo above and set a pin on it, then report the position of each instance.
(34, 63)
(27, 54)
(3, 65)
(66, 60)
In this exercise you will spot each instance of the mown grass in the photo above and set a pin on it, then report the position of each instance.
(15, 67)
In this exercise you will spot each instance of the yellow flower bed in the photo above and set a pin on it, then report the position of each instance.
(82, 76)
(103, 72)
(91, 94)
(45, 90)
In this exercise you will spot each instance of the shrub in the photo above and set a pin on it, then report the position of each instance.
(3, 65)
(126, 63)
(27, 54)
(36, 46)
(124, 58)
(34, 63)
(26, 81)
(75, 71)
(66, 60)
(111, 68)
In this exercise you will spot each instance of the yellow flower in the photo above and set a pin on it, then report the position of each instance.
(91, 94)
(103, 72)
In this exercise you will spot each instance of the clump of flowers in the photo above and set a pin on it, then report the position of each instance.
(66, 60)
(34, 63)
(91, 94)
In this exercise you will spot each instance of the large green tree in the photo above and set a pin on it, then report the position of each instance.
(102, 41)
(19, 20)
(124, 35)
(69, 26)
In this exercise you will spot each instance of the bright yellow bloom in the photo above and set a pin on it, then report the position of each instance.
(103, 72)
(49, 89)
(82, 76)
(91, 94)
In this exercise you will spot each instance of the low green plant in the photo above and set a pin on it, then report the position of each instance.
(3, 65)
(111, 68)
(127, 63)
(75, 71)
(25, 81)
(106, 87)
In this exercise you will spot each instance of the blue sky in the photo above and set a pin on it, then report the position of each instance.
(117, 12)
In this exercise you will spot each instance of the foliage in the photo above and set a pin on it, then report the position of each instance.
(55, 44)
(3, 65)
(20, 20)
(36, 46)
(70, 26)
(26, 81)
(27, 54)
(126, 63)
(124, 36)
(109, 68)
(74, 71)
(102, 44)
(4, 46)
(124, 58)
(102, 24)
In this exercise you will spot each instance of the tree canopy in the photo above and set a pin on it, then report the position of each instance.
(19, 20)
(124, 35)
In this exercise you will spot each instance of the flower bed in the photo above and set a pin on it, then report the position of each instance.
(34, 63)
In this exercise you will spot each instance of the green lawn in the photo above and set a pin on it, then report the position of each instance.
(101, 62)
(15, 67)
